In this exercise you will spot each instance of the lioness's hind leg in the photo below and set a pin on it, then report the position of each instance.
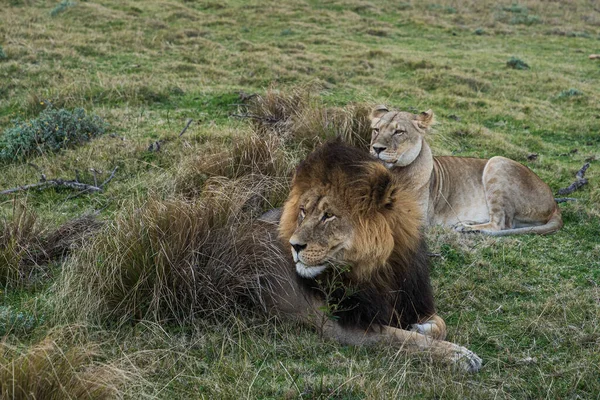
(497, 182)
(433, 326)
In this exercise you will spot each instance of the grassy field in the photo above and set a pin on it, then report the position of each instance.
(529, 306)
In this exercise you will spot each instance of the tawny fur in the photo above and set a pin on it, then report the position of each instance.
(495, 196)
(346, 209)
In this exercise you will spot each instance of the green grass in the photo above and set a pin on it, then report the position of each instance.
(529, 306)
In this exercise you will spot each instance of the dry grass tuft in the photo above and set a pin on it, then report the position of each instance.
(260, 157)
(174, 260)
(68, 237)
(20, 242)
(25, 246)
(46, 371)
(299, 116)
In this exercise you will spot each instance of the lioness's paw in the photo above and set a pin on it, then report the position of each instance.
(466, 360)
(464, 228)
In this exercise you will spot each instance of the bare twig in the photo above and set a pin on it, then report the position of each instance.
(95, 177)
(112, 175)
(59, 182)
(186, 127)
(581, 181)
(564, 199)
(54, 183)
(581, 173)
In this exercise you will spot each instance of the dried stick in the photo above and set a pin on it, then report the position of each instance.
(59, 182)
(581, 181)
(564, 199)
(54, 183)
(186, 127)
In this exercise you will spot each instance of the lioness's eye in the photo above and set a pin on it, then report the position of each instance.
(375, 131)
(327, 216)
(399, 132)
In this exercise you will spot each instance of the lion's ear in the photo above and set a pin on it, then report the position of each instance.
(425, 119)
(379, 111)
(383, 190)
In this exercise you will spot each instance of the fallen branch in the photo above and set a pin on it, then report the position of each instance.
(186, 127)
(581, 181)
(59, 182)
(110, 178)
(564, 199)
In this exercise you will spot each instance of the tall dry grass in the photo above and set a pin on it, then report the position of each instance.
(175, 260)
(26, 246)
(298, 115)
(20, 242)
(50, 372)
(253, 157)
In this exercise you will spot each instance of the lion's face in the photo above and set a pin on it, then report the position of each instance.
(397, 136)
(323, 234)
(346, 209)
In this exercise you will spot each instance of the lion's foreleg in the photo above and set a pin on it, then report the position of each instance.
(413, 342)
(408, 341)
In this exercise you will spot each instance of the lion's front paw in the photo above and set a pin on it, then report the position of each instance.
(464, 228)
(424, 329)
(466, 360)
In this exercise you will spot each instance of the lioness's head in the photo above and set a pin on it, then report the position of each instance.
(346, 208)
(397, 135)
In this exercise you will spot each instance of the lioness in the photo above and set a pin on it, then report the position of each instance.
(352, 232)
(495, 196)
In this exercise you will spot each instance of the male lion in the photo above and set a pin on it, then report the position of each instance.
(361, 269)
(495, 196)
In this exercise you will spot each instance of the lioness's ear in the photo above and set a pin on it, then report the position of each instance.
(425, 119)
(379, 111)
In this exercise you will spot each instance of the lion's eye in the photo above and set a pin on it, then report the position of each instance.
(399, 132)
(302, 214)
(327, 216)
(375, 131)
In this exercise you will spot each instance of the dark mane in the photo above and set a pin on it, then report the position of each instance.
(397, 290)
(334, 156)
(406, 298)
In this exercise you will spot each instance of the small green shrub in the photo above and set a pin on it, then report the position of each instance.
(16, 322)
(527, 19)
(578, 34)
(51, 131)
(61, 7)
(572, 92)
(3, 55)
(517, 63)
(516, 9)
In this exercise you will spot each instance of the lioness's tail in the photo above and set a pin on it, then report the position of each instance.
(553, 225)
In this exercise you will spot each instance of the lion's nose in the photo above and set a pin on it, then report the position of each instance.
(298, 247)
(379, 149)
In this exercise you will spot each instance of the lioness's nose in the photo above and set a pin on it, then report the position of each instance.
(379, 149)
(298, 247)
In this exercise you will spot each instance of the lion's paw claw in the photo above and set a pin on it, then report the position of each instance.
(466, 360)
